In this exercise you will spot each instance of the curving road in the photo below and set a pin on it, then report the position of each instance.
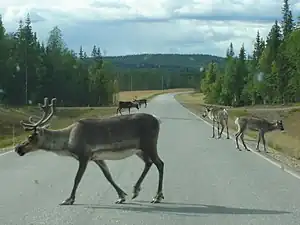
(206, 182)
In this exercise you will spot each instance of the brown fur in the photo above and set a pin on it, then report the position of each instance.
(255, 124)
(97, 140)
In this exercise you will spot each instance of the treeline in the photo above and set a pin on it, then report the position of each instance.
(270, 75)
(31, 70)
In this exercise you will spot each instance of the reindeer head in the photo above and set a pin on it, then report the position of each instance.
(279, 125)
(36, 138)
(136, 104)
(206, 111)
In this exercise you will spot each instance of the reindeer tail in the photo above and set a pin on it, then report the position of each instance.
(237, 121)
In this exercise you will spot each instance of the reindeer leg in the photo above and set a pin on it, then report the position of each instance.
(213, 129)
(119, 110)
(108, 176)
(264, 141)
(258, 141)
(152, 153)
(218, 124)
(148, 164)
(160, 167)
(242, 138)
(83, 161)
(226, 123)
(236, 139)
(222, 128)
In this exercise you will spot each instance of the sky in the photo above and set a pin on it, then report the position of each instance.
(122, 27)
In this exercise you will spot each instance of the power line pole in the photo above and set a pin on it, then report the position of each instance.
(26, 76)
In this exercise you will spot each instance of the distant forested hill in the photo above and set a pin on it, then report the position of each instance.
(164, 60)
(156, 71)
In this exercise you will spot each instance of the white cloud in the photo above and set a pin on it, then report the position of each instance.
(132, 26)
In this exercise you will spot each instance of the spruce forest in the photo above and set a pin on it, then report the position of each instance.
(31, 70)
(270, 75)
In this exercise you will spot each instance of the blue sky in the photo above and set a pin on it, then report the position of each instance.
(123, 27)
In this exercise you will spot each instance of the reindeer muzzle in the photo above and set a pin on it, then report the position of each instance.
(19, 150)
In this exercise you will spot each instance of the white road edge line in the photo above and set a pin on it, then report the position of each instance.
(5, 153)
(255, 152)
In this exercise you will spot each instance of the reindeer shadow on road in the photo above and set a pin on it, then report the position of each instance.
(184, 209)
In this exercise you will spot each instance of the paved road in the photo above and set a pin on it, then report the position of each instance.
(206, 182)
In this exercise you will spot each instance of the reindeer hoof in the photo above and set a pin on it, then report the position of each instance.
(228, 138)
(158, 198)
(69, 201)
(136, 192)
(248, 149)
(120, 200)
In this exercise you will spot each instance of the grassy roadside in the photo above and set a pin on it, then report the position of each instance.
(287, 143)
(148, 94)
(11, 131)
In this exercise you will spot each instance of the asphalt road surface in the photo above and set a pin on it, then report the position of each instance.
(207, 181)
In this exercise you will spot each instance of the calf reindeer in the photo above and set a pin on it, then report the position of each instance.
(141, 101)
(113, 138)
(219, 116)
(255, 124)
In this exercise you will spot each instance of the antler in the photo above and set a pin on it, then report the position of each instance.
(45, 108)
(53, 109)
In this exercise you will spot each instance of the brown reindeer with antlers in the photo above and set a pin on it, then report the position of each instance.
(97, 140)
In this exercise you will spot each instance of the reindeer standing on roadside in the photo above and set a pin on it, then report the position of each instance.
(219, 116)
(127, 105)
(255, 124)
(140, 101)
(97, 140)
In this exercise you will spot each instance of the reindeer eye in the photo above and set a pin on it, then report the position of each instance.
(32, 137)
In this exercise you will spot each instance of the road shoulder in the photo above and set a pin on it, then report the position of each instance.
(286, 163)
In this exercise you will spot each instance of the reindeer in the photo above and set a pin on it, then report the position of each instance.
(97, 140)
(218, 115)
(140, 101)
(255, 124)
(127, 105)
